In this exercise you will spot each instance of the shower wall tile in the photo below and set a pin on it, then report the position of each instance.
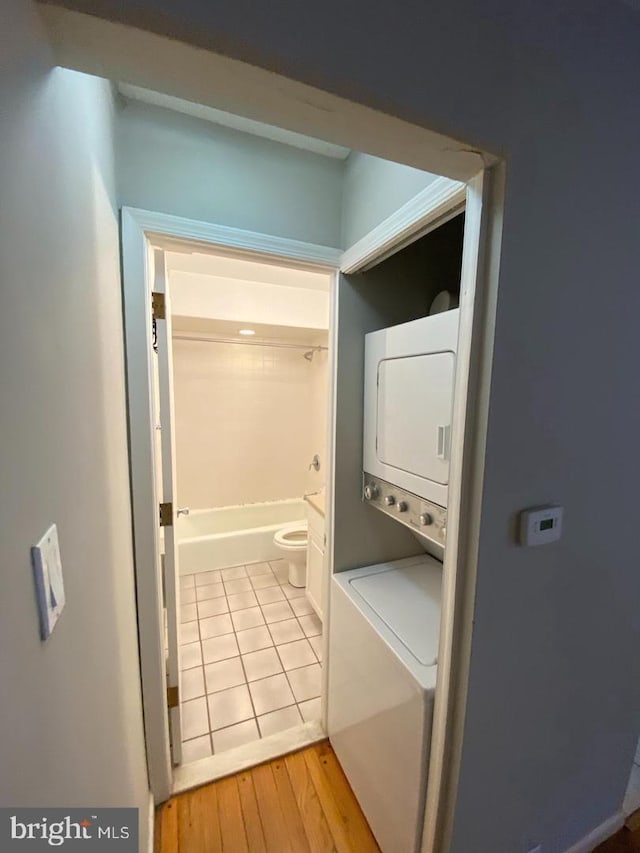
(248, 421)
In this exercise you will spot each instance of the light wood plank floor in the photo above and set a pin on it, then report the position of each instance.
(301, 803)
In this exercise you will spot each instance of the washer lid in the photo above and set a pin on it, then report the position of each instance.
(408, 602)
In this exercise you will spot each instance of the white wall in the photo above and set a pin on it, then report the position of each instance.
(554, 694)
(206, 296)
(71, 711)
(189, 167)
(248, 421)
(373, 189)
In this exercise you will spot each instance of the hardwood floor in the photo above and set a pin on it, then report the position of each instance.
(624, 841)
(301, 803)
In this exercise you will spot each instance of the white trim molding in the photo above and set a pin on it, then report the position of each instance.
(143, 230)
(598, 835)
(235, 239)
(438, 202)
(151, 823)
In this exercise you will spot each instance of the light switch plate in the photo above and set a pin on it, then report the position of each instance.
(47, 573)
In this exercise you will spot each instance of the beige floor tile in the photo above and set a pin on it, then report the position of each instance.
(192, 683)
(286, 632)
(195, 720)
(233, 736)
(242, 600)
(214, 590)
(258, 569)
(194, 750)
(229, 707)
(224, 674)
(190, 656)
(277, 612)
(270, 594)
(207, 578)
(270, 694)
(311, 709)
(297, 654)
(254, 639)
(306, 683)
(251, 617)
(261, 664)
(216, 626)
(188, 633)
(212, 607)
(219, 648)
(279, 721)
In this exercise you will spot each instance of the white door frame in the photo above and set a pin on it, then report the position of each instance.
(142, 231)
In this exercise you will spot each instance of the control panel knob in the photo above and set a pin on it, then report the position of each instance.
(426, 519)
(370, 491)
(389, 500)
(402, 506)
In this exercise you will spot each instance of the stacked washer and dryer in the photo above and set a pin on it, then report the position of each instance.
(385, 619)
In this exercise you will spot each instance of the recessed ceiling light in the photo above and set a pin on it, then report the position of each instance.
(247, 332)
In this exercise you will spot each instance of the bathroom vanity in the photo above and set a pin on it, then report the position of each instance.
(316, 552)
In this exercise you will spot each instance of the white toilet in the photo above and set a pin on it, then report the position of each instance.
(292, 540)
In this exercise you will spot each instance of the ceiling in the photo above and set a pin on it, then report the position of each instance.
(245, 125)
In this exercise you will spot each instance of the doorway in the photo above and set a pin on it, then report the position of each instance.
(241, 362)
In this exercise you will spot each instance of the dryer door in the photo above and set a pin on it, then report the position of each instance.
(408, 404)
(415, 398)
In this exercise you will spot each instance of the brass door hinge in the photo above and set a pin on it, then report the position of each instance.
(166, 515)
(158, 308)
(173, 697)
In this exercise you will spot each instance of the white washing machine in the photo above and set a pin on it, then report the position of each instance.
(385, 625)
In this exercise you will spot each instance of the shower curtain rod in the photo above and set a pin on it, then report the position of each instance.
(251, 343)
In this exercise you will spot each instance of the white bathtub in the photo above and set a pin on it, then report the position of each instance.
(233, 535)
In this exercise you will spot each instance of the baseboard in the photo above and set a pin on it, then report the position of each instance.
(632, 821)
(151, 814)
(598, 835)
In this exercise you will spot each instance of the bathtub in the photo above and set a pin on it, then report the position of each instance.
(233, 535)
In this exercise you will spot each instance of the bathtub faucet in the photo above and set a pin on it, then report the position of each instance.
(183, 510)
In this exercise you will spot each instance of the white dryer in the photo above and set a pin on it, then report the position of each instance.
(385, 625)
(409, 379)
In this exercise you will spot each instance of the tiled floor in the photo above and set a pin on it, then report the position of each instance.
(250, 653)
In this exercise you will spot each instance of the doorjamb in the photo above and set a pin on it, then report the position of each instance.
(141, 232)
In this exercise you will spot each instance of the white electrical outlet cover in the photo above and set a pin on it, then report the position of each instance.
(47, 572)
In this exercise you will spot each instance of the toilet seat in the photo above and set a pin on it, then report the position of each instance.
(292, 537)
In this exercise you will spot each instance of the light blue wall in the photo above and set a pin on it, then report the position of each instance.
(72, 731)
(374, 189)
(189, 167)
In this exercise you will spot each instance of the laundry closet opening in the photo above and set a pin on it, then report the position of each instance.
(298, 320)
(247, 359)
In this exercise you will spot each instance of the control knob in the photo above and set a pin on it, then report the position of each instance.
(370, 491)
(389, 500)
(425, 519)
(402, 506)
